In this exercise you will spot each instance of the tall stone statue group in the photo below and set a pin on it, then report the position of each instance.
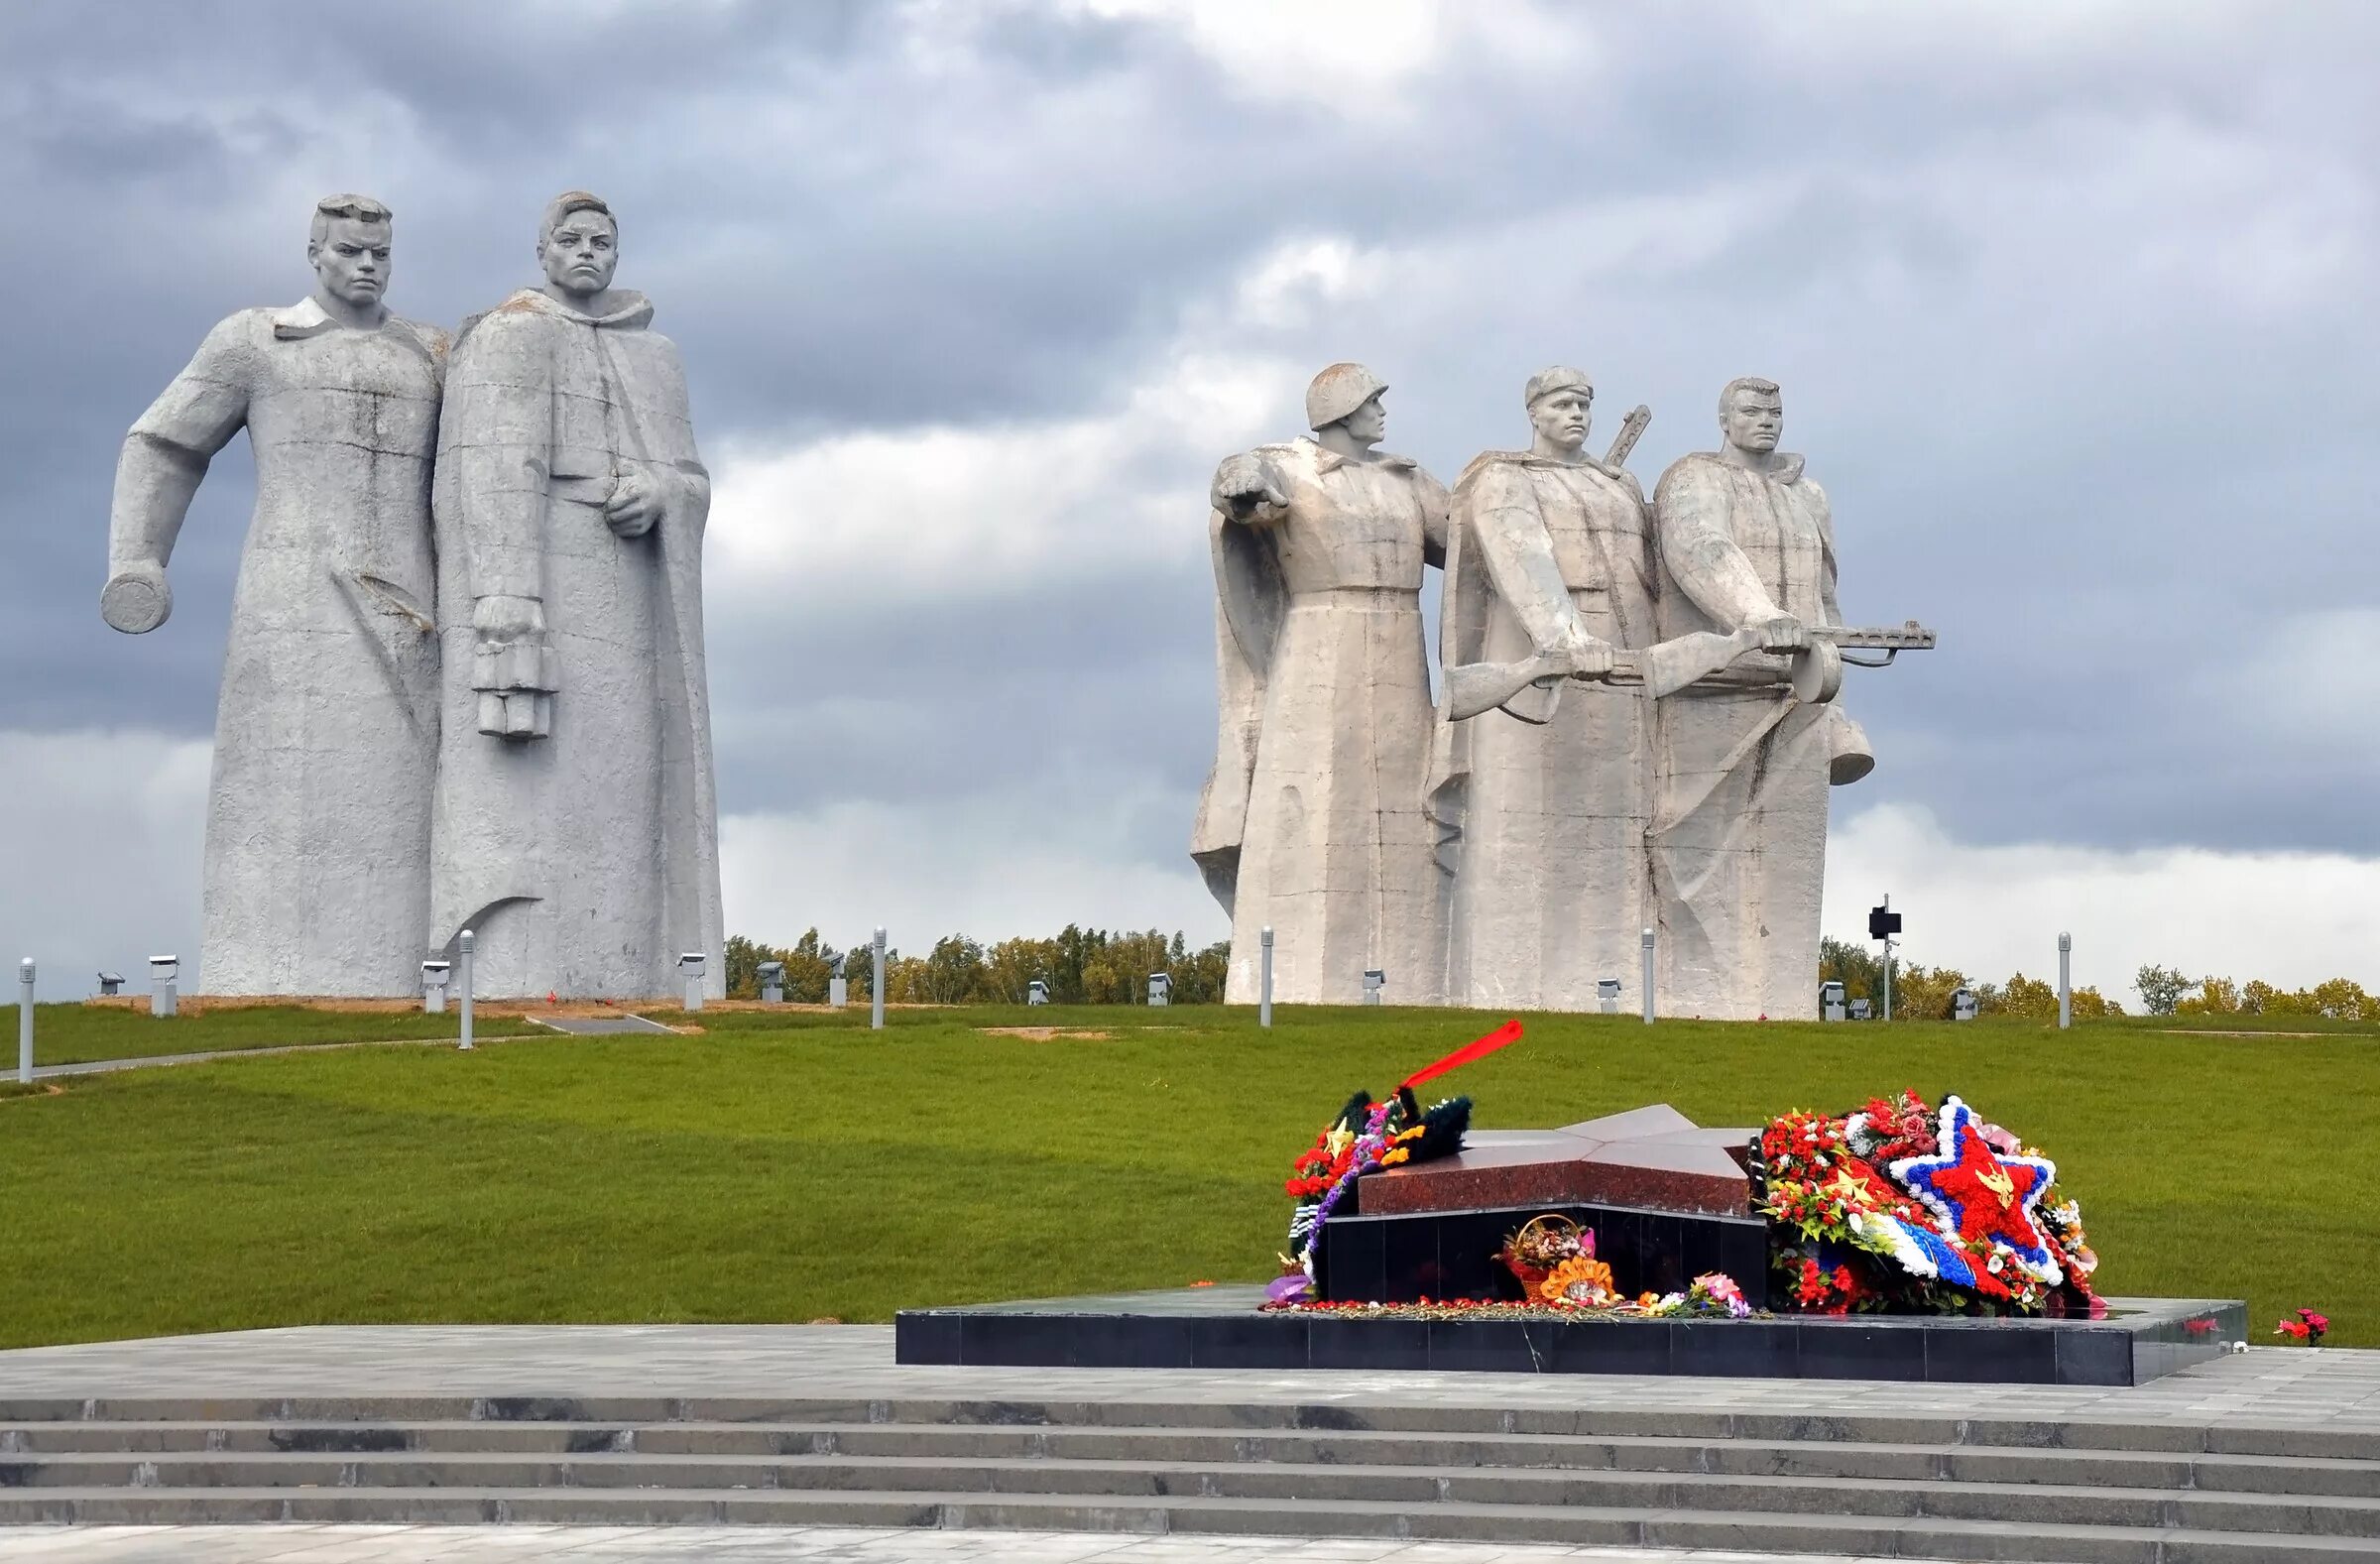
(1636, 731)
(465, 685)
(464, 688)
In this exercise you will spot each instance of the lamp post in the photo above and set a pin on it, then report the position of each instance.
(1264, 977)
(25, 1022)
(463, 943)
(875, 989)
(2065, 973)
(1648, 977)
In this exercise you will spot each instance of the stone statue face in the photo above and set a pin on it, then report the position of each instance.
(351, 259)
(580, 254)
(1753, 420)
(1560, 419)
(1368, 424)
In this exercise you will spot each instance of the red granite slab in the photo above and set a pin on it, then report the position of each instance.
(1654, 1158)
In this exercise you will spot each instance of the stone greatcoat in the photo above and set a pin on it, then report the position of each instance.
(1739, 843)
(317, 821)
(585, 861)
(1543, 803)
(1313, 818)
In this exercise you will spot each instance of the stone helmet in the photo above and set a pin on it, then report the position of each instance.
(1339, 391)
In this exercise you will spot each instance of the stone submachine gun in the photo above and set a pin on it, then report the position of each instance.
(1815, 672)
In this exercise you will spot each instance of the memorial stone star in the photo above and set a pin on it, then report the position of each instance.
(1979, 1196)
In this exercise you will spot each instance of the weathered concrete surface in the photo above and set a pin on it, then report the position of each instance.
(317, 829)
(1738, 846)
(576, 825)
(1313, 820)
(1544, 802)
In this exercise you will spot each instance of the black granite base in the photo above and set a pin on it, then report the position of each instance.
(2140, 1340)
(1405, 1257)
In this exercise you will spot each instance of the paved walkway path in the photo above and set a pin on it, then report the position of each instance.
(2263, 1387)
(753, 1544)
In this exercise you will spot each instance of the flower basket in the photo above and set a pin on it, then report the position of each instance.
(1540, 1245)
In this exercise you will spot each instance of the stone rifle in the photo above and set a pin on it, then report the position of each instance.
(1670, 666)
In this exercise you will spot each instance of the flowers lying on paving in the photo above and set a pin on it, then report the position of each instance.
(1904, 1208)
(1713, 1296)
(2308, 1327)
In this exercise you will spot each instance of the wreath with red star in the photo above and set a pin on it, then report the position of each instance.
(1906, 1206)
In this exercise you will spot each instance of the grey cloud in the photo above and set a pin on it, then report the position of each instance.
(2093, 473)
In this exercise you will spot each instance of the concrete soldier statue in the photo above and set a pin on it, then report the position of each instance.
(1313, 818)
(1543, 800)
(317, 825)
(577, 823)
(1739, 843)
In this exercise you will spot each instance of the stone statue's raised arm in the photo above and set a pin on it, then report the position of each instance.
(165, 457)
(1249, 489)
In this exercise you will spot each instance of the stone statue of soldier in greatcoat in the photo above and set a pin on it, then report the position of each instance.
(326, 728)
(1544, 799)
(1313, 820)
(1738, 846)
(578, 820)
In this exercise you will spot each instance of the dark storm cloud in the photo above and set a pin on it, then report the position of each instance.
(2100, 446)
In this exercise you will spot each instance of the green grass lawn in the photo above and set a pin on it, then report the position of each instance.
(76, 1033)
(786, 1168)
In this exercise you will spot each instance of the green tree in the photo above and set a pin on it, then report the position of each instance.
(2160, 988)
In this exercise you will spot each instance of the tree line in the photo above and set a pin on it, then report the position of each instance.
(1922, 993)
(1082, 966)
(2166, 992)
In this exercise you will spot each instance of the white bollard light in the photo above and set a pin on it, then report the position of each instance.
(1831, 1003)
(1036, 993)
(2065, 974)
(25, 1022)
(1374, 981)
(1606, 995)
(1648, 977)
(463, 943)
(164, 991)
(838, 987)
(875, 989)
(1264, 977)
(1161, 988)
(690, 967)
(436, 974)
(773, 983)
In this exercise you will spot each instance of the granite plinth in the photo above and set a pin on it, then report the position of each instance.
(2140, 1339)
(1649, 1159)
(1405, 1257)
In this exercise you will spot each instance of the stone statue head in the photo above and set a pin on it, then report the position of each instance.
(347, 244)
(1559, 400)
(578, 244)
(1348, 395)
(1751, 413)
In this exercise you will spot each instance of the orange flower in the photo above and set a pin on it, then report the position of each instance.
(1579, 1280)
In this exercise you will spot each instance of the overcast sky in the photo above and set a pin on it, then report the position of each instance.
(2070, 303)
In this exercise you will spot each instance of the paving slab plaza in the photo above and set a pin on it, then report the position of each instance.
(794, 1544)
(2264, 1387)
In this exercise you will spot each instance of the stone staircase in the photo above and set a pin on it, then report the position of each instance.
(1890, 1486)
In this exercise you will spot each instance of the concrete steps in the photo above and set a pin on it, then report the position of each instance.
(1937, 1488)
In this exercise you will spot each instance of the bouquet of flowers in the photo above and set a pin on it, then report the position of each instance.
(1542, 1243)
(1904, 1207)
(1363, 1138)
